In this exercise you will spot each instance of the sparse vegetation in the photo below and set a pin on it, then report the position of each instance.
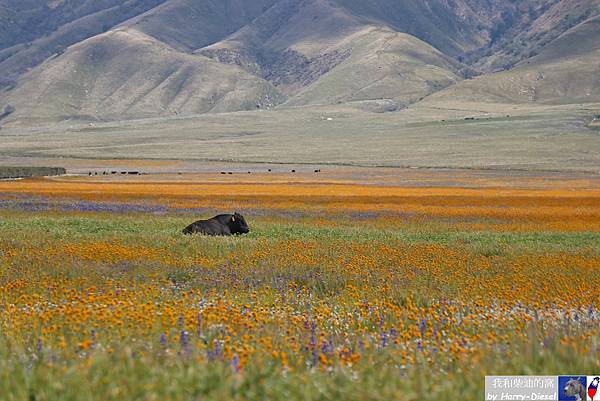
(532, 138)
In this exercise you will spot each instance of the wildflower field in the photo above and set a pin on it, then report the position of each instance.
(342, 290)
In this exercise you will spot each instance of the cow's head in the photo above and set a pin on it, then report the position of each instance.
(238, 225)
(573, 388)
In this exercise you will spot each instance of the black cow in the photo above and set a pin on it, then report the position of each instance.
(221, 225)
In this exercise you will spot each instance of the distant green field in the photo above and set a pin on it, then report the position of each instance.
(21, 172)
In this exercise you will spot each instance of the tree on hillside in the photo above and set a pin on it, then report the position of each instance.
(8, 109)
(7, 82)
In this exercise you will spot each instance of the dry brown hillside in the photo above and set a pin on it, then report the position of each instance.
(109, 60)
(567, 70)
(102, 78)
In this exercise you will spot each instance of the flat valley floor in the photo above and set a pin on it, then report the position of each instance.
(441, 135)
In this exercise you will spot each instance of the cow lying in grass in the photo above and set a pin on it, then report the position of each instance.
(221, 225)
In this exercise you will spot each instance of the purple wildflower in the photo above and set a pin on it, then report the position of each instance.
(315, 357)
(313, 334)
(384, 339)
(422, 327)
(218, 352)
(235, 363)
(183, 339)
(327, 347)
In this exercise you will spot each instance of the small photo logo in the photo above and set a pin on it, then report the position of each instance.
(592, 388)
(572, 388)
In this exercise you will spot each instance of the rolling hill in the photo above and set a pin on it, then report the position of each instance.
(97, 79)
(32, 31)
(566, 71)
(115, 60)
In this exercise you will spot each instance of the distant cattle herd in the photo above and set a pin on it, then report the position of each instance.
(114, 173)
(269, 170)
(221, 225)
(93, 173)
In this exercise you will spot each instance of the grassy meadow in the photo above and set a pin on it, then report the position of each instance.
(504, 136)
(342, 290)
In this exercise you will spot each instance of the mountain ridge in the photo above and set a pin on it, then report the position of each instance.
(146, 58)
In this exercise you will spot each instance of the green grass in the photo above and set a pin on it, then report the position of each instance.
(156, 228)
(123, 376)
